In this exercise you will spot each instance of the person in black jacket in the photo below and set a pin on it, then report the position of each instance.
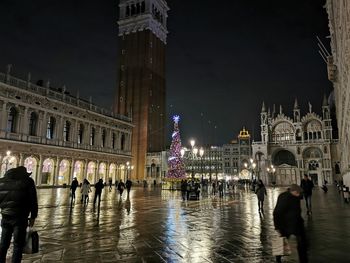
(73, 187)
(98, 191)
(288, 221)
(18, 199)
(128, 185)
(307, 186)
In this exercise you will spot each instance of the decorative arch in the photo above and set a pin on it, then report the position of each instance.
(312, 153)
(91, 170)
(8, 162)
(33, 124)
(78, 171)
(102, 171)
(63, 172)
(31, 163)
(284, 157)
(12, 119)
(48, 171)
(112, 171)
(283, 131)
(313, 130)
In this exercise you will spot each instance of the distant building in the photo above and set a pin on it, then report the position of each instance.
(141, 91)
(236, 154)
(339, 73)
(156, 167)
(296, 146)
(58, 136)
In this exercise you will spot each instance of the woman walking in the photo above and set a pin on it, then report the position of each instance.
(85, 190)
(261, 192)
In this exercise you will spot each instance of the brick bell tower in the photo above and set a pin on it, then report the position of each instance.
(141, 89)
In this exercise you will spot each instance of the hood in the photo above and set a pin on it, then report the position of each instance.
(15, 174)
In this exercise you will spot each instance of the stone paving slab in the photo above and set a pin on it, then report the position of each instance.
(157, 226)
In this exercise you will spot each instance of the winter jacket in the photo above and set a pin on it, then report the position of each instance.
(18, 196)
(307, 186)
(98, 187)
(287, 215)
(85, 189)
(261, 192)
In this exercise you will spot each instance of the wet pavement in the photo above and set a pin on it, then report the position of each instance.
(157, 226)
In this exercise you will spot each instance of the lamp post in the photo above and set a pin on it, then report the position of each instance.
(201, 153)
(251, 166)
(271, 171)
(128, 168)
(194, 152)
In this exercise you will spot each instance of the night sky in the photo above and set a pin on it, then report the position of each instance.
(223, 57)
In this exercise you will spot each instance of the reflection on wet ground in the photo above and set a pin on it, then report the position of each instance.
(157, 226)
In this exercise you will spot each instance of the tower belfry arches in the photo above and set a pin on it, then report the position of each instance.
(141, 89)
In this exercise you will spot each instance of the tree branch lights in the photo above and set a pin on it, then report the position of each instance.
(176, 165)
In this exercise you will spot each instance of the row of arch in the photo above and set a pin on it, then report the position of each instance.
(53, 172)
(33, 130)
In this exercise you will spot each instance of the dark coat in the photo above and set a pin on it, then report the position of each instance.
(261, 192)
(98, 187)
(121, 186)
(18, 196)
(74, 185)
(287, 215)
(128, 184)
(307, 186)
(184, 186)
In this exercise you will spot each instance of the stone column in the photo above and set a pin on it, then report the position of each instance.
(56, 171)
(39, 169)
(21, 159)
(3, 117)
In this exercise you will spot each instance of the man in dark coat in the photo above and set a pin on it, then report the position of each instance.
(98, 191)
(18, 199)
(73, 187)
(128, 185)
(307, 186)
(288, 221)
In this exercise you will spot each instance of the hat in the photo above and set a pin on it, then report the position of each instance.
(22, 170)
(296, 188)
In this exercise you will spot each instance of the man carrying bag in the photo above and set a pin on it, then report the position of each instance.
(18, 199)
(288, 221)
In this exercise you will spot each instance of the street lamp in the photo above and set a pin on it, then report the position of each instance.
(128, 168)
(271, 171)
(201, 153)
(251, 166)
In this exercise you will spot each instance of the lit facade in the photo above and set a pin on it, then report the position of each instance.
(236, 154)
(296, 146)
(339, 73)
(141, 91)
(58, 136)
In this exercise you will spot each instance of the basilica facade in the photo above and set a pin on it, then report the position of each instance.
(57, 136)
(293, 146)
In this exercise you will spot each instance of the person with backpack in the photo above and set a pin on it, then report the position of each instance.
(18, 200)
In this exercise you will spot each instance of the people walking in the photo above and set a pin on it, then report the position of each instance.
(307, 185)
(221, 189)
(85, 190)
(121, 187)
(128, 185)
(73, 187)
(261, 192)
(288, 221)
(18, 199)
(213, 190)
(98, 191)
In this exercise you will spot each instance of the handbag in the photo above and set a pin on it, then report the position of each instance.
(280, 246)
(32, 241)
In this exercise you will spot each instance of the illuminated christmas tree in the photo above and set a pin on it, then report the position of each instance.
(175, 162)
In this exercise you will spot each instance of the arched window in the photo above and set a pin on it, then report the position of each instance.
(113, 140)
(80, 134)
(127, 11)
(33, 124)
(66, 131)
(143, 6)
(103, 137)
(122, 142)
(50, 128)
(92, 136)
(12, 119)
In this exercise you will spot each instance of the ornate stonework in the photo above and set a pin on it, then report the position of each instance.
(292, 147)
(58, 136)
